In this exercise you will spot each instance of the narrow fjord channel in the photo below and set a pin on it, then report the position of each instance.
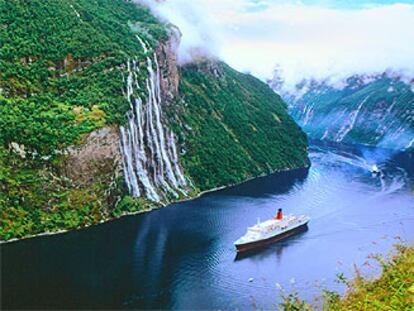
(182, 256)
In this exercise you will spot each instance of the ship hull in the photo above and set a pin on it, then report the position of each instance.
(261, 243)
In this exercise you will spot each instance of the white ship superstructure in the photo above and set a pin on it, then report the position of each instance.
(271, 230)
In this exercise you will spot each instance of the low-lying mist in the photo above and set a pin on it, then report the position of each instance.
(316, 40)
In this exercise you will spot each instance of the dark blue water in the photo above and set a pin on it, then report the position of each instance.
(182, 256)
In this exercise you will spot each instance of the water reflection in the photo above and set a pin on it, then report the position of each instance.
(268, 185)
(275, 250)
(183, 257)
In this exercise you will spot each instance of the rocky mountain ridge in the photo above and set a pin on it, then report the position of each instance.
(371, 109)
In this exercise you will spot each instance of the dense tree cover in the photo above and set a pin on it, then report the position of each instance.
(34, 199)
(62, 75)
(233, 127)
(41, 125)
(52, 29)
(62, 71)
(69, 53)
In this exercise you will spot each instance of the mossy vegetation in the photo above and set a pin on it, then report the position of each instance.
(233, 126)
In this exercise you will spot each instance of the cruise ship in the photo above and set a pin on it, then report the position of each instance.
(272, 230)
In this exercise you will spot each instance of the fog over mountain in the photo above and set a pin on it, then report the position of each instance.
(306, 39)
(372, 110)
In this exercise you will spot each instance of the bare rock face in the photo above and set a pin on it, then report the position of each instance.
(167, 59)
(98, 160)
(99, 156)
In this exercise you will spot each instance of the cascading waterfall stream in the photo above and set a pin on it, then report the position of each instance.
(150, 161)
(347, 127)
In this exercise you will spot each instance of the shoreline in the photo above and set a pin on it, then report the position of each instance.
(126, 214)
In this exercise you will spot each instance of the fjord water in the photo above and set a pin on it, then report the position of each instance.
(182, 256)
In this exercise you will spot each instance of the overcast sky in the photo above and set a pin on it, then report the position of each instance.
(306, 38)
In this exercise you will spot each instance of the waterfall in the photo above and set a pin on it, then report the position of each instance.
(150, 161)
(325, 135)
(307, 114)
(348, 126)
(410, 144)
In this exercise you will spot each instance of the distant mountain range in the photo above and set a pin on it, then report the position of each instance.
(365, 109)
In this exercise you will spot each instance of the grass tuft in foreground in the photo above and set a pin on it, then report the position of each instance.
(392, 290)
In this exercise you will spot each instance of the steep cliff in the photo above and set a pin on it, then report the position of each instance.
(233, 127)
(375, 110)
(98, 120)
(64, 67)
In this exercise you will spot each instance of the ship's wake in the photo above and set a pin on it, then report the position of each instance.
(372, 168)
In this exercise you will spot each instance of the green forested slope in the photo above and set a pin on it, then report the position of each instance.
(63, 75)
(236, 127)
(69, 54)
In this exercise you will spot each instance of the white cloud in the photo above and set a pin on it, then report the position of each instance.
(306, 40)
(200, 30)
